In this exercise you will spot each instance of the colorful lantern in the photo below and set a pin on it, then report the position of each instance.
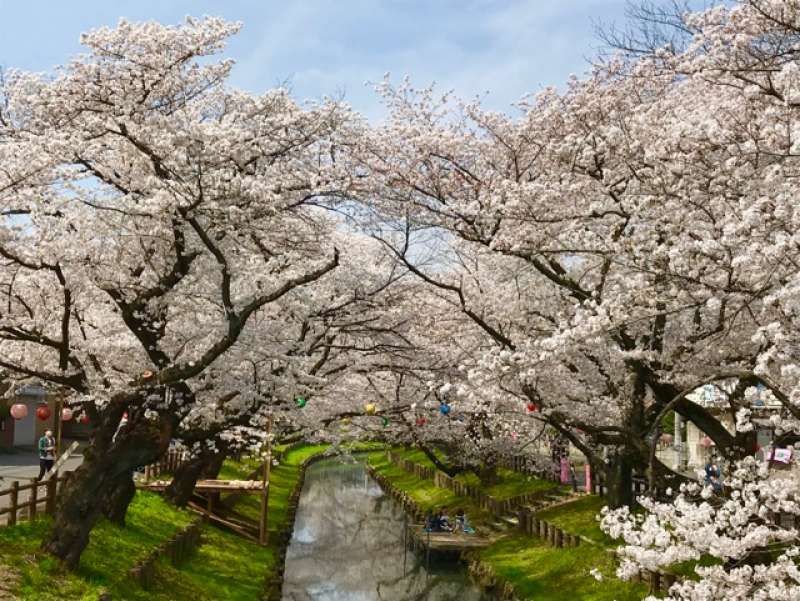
(300, 402)
(385, 422)
(43, 412)
(19, 411)
(421, 421)
(66, 414)
(532, 407)
(706, 442)
(370, 409)
(346, 421)
(84, 419)
(444, 408)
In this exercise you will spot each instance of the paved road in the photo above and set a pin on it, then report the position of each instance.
(24, 465)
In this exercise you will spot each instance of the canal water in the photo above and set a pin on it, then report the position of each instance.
(348, 545)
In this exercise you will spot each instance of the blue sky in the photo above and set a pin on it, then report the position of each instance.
(505, 47)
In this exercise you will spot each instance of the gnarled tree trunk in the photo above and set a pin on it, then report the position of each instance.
(119, 497)
(204, 466)
(102, 482)
(619, 480)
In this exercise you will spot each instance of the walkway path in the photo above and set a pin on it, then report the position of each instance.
(23, 465)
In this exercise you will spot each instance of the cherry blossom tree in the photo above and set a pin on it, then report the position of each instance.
(157, 213)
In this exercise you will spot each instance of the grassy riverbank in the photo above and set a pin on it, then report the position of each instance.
(508, 484)
(534, 569)
(224, 567)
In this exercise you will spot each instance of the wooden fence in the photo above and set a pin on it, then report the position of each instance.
(533, 526)
(26, 501)
(169, 462)
(176, 549)
(497, 507)
(530, 465)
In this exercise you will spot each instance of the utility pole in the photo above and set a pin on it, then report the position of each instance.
(263, 527)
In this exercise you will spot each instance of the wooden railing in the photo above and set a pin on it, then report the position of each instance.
(497, 507)
(169, 462)
(26, 501)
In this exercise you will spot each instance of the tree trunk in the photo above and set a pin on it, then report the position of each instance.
(201, 467)
(119, 498)
(180, 490)
(107, 463)
(619, 481)
(214, 466)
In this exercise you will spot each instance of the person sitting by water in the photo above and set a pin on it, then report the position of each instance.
(459, 525)
(444, 522)
(462, 523)
(431, 522)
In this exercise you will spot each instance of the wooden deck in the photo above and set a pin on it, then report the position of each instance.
(220, 486)
(447, 541)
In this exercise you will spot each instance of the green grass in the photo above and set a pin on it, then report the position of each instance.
(111, 552)
(424, 493)
(509, 482)
(224, 567)
(539, 571)
(580, 517)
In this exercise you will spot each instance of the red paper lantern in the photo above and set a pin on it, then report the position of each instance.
(43, 412)
(533, 407)
(421, 421)
(19, 411)
(66, 414)
(84, 419)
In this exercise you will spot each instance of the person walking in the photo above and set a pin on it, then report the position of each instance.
(47, 453)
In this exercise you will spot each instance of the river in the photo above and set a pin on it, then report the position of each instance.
(348, 545)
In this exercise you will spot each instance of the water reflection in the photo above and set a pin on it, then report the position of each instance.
(348, 546)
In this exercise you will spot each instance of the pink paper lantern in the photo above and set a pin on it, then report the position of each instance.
(706, 442)
(66, 414)
(19, 411)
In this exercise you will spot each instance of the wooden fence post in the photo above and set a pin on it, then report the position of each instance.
(34, 499)
(14, 497)
(655, 578)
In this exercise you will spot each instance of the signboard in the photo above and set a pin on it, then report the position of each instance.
(782, 455)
